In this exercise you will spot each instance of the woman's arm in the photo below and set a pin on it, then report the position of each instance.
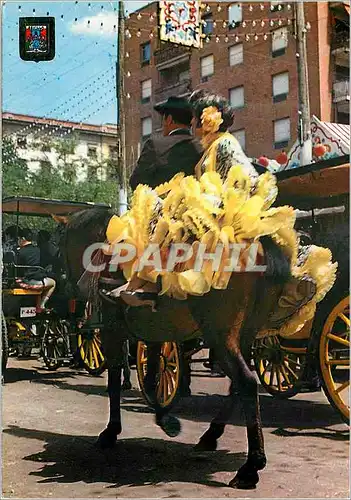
(229, 153)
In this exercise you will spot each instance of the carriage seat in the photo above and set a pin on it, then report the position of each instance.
(30, 284)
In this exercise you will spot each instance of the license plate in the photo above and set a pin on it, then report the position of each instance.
(28, 312)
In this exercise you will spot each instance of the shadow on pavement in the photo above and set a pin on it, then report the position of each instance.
(34, 375)
(310, 418)
(133, 462)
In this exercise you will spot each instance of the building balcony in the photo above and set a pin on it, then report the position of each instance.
(341, 91)
(171, 55)
(180, 89)
(340, 48)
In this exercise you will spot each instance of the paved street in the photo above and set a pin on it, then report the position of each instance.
(51, 420)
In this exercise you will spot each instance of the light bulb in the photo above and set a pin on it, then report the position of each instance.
(139, 34)
(217, 39)
(244, 24)
(250, 8)
(254, 23)
(262, 23)
(139, 16)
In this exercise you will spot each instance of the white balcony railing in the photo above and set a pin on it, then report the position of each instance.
(341, 91)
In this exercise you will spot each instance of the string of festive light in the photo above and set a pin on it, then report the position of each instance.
(65, 103)
(56, 78)
(208, 37)
(58, 127)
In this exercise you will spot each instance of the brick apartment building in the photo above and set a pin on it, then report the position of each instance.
(259, 76)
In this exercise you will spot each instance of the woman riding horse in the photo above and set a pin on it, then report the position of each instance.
(226, 203)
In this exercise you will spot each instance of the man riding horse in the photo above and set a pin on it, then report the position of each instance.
(224, 203)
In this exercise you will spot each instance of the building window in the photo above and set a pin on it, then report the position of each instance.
(236, 97)
(146, 53)
(235, 15)
(22, 142)
(281, 133)
(146, 91)
(207, 67)
(236, 54)
(279, 41)
(113, 152)
(92, 151)
(240, 136)
(146, 127)
(277, 7)
(207, 25)
(280, 84)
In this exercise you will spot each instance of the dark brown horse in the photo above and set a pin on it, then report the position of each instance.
(228, 319)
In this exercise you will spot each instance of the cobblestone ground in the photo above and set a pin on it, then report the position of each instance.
(51, 419)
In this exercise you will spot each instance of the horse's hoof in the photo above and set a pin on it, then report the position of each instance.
(170, 425)
(245, 479)
(106, 440)
(204, 448)
(126, 386)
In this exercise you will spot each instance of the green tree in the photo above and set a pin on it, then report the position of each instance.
(15, 173)
(59, 180)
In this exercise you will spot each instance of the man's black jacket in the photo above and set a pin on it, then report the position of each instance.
(163, 157)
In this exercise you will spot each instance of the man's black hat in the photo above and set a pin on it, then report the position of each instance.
(174, 103)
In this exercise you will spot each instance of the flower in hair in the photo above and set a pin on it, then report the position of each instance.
(211, 119)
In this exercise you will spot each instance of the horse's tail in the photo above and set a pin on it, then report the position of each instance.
(278, 264)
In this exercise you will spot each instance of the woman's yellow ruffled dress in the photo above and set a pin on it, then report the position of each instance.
(215, 211)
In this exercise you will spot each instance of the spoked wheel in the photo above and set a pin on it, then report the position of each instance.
(54, 346)
(334, 356)
(91, 352)
(169, 376)
(4, 344)
(280, 367)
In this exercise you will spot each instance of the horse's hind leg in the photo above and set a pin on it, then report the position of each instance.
(247, 476)
(127, 384)
(208, 441)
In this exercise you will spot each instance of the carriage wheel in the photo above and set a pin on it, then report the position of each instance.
(169, 376)
(4, 344)
(334, 356)
(280, 368)
(54, 346)
(91, 352)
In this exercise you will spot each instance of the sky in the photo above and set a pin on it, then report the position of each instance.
(79, 84)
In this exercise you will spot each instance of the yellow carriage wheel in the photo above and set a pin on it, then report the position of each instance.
(334, 357)
(279, 366)
(91, 352)
(168, 377)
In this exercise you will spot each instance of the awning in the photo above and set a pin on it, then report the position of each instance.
(42, 207)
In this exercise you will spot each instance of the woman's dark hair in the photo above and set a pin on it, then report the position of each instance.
(43, 237)
(201, 99)
(26, 234)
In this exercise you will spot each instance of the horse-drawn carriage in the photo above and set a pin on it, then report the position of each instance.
(69, 330)
(320, 193)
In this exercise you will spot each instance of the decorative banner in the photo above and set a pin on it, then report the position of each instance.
(180, 22)
(37, 38)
